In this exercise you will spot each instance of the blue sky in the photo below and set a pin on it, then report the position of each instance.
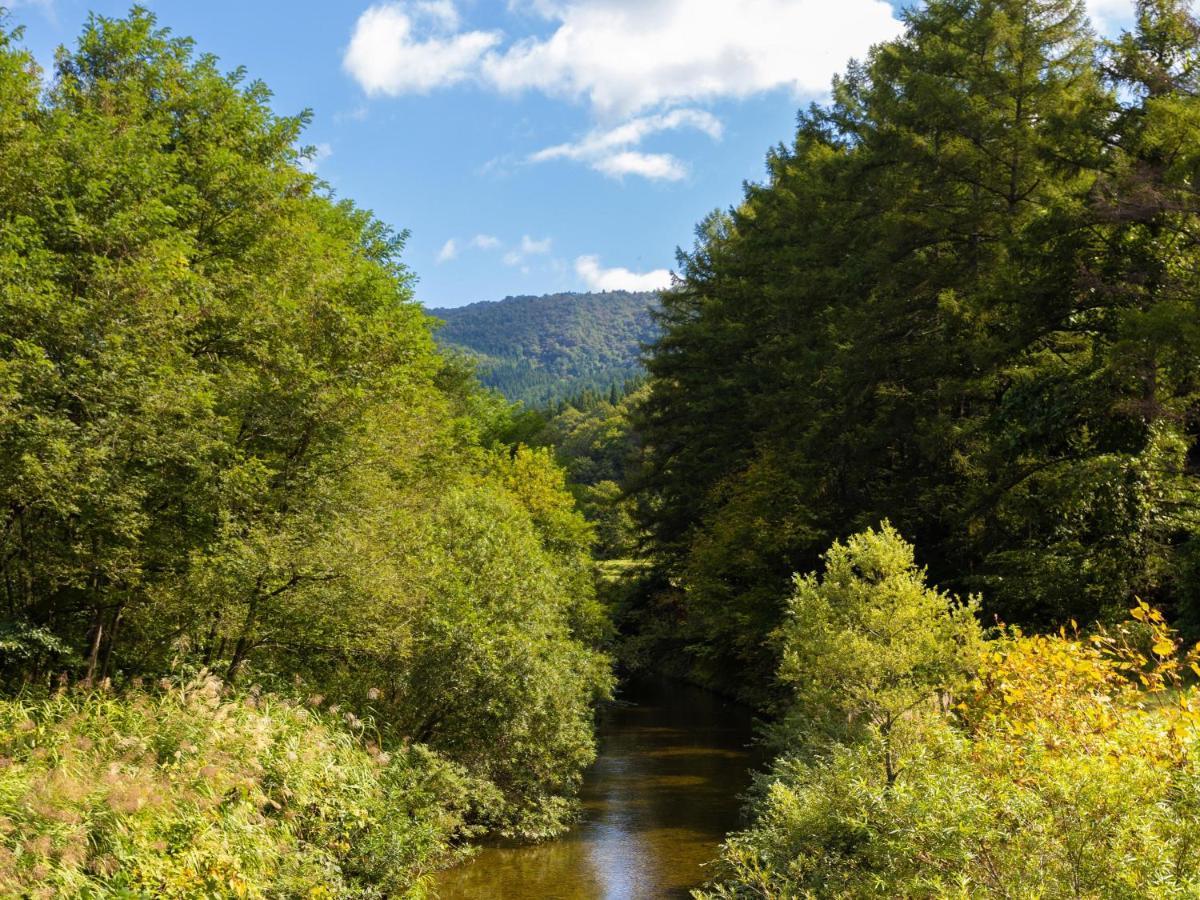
(530, 146)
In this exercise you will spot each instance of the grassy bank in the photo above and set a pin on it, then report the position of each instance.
(187, 790)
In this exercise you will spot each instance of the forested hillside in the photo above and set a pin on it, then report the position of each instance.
(282, 617)
(540, 350)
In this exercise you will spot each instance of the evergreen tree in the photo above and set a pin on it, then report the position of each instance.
(928, 314)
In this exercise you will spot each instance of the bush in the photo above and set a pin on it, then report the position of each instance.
(1069, 765)
(188, 791)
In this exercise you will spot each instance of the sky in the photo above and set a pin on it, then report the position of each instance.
(530, 146)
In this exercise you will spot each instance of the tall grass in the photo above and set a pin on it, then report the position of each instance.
(187, 791)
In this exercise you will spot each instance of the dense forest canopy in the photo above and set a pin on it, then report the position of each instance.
(594, 439)
(965, 300)
(230, 447)
(543, 350)
(964, 309)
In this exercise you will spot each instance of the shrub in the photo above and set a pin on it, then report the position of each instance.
(867, 649)
(1068, 766)
(188, 791)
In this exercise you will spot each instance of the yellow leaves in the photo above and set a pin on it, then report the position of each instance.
(1163, 646)
(1054, 676)
(1143, 612)
(1113, 694)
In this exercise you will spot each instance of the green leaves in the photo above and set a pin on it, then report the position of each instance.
(228, 442)
(866, 648)
(963, 301)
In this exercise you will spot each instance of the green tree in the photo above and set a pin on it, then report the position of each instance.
(963, 302)
(228, 440)
(868, 649)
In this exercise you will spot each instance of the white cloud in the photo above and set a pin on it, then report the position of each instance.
(655, 166)
(632, 133)
(528, 247)
(400, 48)
(440, 11)
(485, 242)
(610, 150)
(598, 278)
(623, 56)
(316, 156)
(448, 252)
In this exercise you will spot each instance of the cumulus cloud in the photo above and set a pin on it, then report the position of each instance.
(611, 150)
(413, 47)
(448, 252)
(485, 242)
(598, 278)
(623, 56)
(527, 248)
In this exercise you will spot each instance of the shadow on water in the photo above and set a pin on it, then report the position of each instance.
(659, 799)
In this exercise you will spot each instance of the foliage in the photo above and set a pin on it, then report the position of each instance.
(189, 791)
(542, 350)
(963, 301)
(1066, 765)
(596, 442)
(228, 440)
(867, 646)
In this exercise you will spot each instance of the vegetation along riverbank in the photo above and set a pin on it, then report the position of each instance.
(294, 607)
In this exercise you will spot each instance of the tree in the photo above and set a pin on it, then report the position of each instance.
(867, 649)
(228, 440)
(962, 301)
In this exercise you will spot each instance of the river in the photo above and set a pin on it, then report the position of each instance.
(664, 791)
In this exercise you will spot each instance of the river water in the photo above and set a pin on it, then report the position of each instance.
(661, 796)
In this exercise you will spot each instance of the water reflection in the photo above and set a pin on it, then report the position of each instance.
(657, 802)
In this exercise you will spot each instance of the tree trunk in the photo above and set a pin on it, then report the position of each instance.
(242, 647)
(94, 653)
(113, 631)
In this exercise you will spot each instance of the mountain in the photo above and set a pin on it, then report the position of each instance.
(540, 350)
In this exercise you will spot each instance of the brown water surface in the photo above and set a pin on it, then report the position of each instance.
(660, 798)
